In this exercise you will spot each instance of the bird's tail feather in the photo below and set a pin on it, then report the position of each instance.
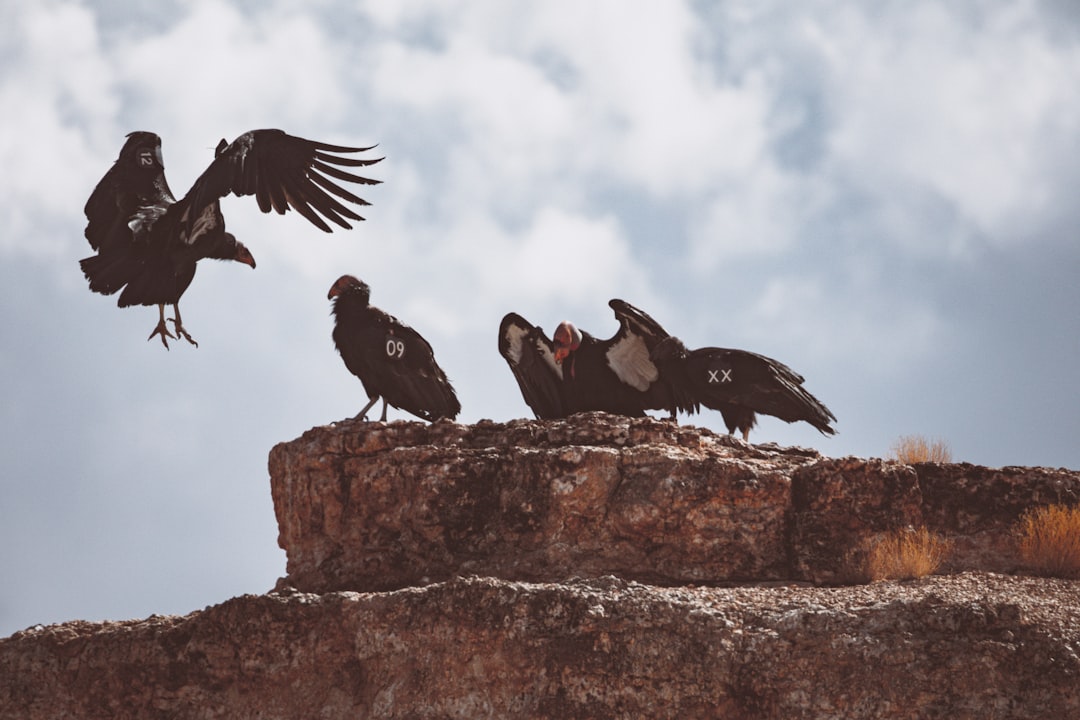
(107, 273)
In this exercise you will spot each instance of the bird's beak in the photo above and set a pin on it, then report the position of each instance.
(561, 353)
(244, 255)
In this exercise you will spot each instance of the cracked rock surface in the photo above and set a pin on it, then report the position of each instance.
(595, 567)
(974, 645)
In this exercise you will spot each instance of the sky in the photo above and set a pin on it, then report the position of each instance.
(880, 195)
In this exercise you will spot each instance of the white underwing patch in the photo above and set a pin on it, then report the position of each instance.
(515, 338)
(629, 358)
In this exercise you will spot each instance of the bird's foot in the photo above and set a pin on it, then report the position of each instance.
(181, 332)
(163, 330)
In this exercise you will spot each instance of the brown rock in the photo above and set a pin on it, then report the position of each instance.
(370, 506)
(838, 504)
(978, 507)
(969, 646)
(561, 518)
(366, 506)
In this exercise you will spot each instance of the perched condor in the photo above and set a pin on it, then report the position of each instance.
(644, 368)
(391, 359)
(575, 372)
(148, 242)
(739, 384)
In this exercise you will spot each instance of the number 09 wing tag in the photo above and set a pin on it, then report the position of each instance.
(395, 347)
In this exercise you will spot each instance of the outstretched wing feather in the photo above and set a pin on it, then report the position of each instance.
(628, 352)
(283, 171)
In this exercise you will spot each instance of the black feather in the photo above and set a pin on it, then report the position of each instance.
(148, 243)
(391, 359)
(643, 368)
(530, 356)
(739, 384)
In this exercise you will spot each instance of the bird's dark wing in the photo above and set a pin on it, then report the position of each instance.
(721, 377)
(628, 352)
(282, 171)
(531, 358)
(107, 212)
(406, 372)
(132, 192)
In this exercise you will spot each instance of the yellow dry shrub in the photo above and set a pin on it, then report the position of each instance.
(916, 449)
(905, 554)
(1049, 540)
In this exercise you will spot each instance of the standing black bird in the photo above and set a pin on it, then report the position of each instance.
(148, 242)
(739, 384)
(643, 367)
(391, 359)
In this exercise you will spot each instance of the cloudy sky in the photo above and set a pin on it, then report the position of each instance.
(883, 196)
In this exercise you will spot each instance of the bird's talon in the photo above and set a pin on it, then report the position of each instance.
(181, 332)
(161, 330)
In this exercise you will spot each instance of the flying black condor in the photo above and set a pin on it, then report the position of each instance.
(391, 359)
(740, 384)
(148, 243)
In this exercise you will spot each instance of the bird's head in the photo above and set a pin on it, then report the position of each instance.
(567, 339)
(348, 284)
(244, 255)
(142, 150)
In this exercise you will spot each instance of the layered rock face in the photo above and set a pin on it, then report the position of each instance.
(597, 567)
(968, 646)
(364, 506)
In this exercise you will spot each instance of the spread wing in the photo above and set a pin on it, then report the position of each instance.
(282, 171)
(628, 352)
(531, 358)
(722, 376)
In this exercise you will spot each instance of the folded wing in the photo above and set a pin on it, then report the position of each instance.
(726, 379)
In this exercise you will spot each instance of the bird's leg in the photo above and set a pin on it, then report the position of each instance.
(177, 326)
(383, 418)
(162, 329)
(362, 415)
(746, 434)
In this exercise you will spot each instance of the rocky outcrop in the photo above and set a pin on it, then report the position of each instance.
(968, 646)
(365, 506)
(597, 567)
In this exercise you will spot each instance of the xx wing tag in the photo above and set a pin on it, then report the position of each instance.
(719, 374)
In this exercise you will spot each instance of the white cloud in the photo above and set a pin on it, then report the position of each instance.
(925, 97)
(762, 214)
(218, 73)
(886, 332)
(572, 257)
(832, 175)
(58, 96)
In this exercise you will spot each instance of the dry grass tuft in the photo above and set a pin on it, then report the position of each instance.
(1049, 540)
(905, 554)
(916, 449)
